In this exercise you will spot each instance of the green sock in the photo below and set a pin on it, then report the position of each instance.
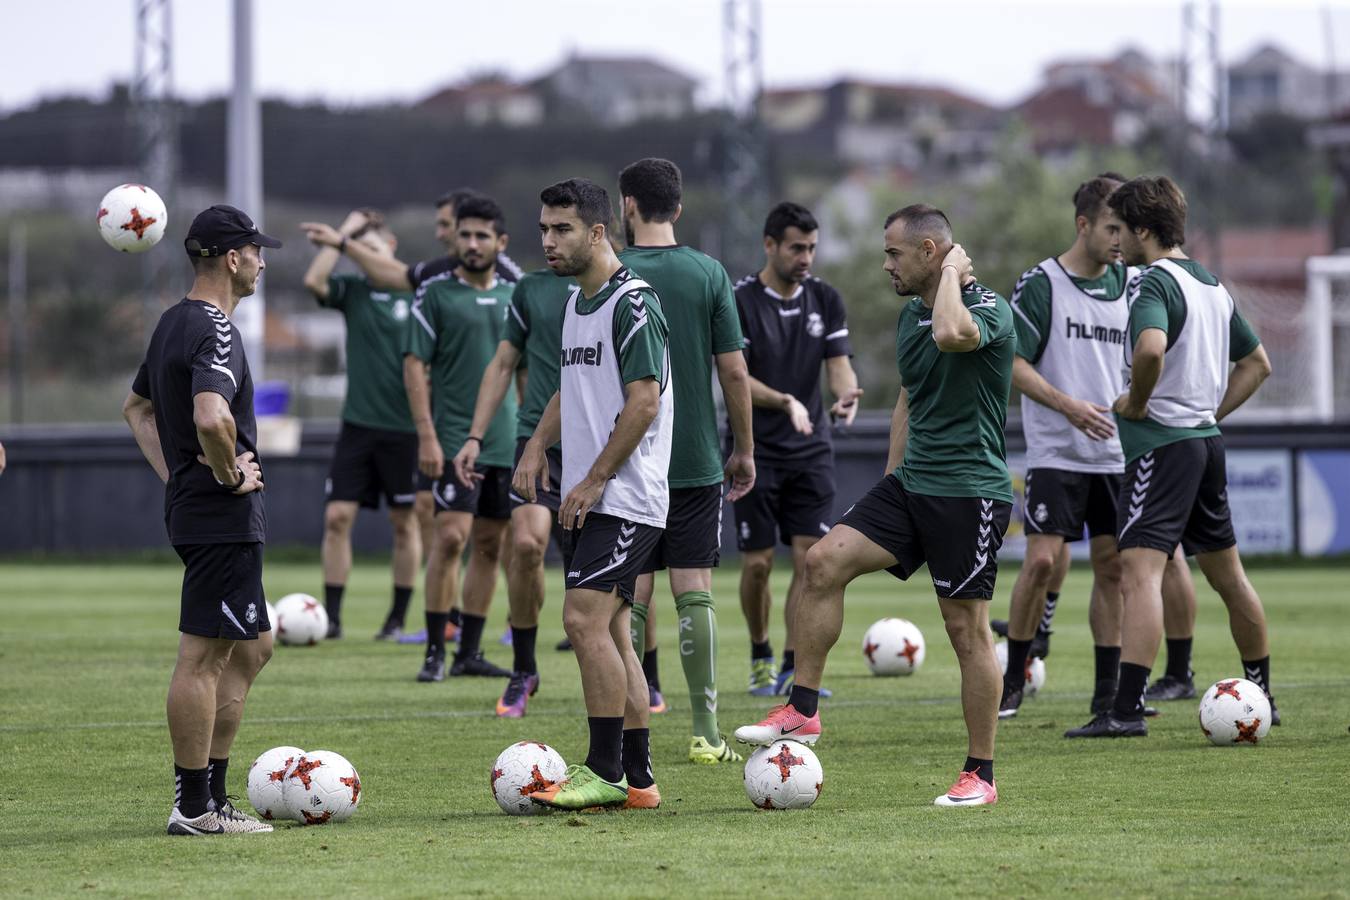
(637, 628)
(698, 656)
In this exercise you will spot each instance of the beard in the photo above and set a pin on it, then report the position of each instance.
(629, 236)
(569, 266)
(482, 264)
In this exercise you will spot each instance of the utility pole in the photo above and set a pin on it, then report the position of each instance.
(156, 138)
(1203, 105)
(18, 316)
(243, 174)
(744, 173)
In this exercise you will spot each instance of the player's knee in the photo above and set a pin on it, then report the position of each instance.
(404, 523)
(1108, 572)
(527, 549)
(757, 566)
(964, 633)
(577, 623)
(1040, 564)
(338, 520)
(821, 572)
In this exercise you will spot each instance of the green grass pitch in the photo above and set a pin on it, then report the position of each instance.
(85, 768)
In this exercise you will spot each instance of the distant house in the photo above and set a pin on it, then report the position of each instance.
(616, 91)
(489, 101)
(1272, 81)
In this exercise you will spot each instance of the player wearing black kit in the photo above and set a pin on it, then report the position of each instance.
(191, 410)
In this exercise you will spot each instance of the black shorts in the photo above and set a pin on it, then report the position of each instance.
(958, 537)
(693, 535)
(608, 554)
(489, 498)
(1177, 492)
(550, 498)
(785, 503)
(1061, 502)
(371, 462)
(223, 591)
(422, 482)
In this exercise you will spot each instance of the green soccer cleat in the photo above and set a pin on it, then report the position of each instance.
(700, 751)
(763, 674)
(582, 789)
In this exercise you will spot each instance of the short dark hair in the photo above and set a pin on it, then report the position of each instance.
(656, 185)
(1091, 194)
(789, 215)
(479, 206)
(589, 199)
(454, 198)
(1153, 203)
(923, 220)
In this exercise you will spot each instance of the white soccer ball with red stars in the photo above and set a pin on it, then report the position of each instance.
(893, 647)
(321, 787)
(272, 616)
(521, 769)
(1035, 671)
(267, 777)
(301, 620)
(132, 218)
(783, 775)
(1234, 711)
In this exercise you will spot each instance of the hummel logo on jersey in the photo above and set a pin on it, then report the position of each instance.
(584, 356)
(1087, 332)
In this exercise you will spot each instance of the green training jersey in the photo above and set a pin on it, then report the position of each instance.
(456, 329)
(1033, 302)
(957, 401)
(534, 327)
(700, 307)
(376, 321)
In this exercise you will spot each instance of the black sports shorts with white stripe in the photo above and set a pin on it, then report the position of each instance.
(1177, 493)
(958, 537)
(608, 553)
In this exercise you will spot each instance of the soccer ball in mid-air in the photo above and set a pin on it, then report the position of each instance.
(131, 218)
(783, 775)
(322, 787)
(1234, 711)
(522, 769)
(1035, 669)
(893, 647)
(267, 777)
(301, 620)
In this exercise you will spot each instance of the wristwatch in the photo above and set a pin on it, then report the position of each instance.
(237, 485)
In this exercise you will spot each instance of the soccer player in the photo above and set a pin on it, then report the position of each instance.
(1070, 320)
(701, 312)
(946, 500)
(533, 338)
(376, 453)
(191, 411)
(458, 319)
(614, 414)
(792, 321)
(1184, 331)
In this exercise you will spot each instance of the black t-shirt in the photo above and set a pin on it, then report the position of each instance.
(196, 348)
(507, 269)
(786, 339)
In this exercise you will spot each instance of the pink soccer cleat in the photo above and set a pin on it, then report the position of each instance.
(970, 790)
(782, 723)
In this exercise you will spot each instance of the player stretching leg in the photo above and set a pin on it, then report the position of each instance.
(1184, 331)
(614, 414)
(946, 501)
(701, 312)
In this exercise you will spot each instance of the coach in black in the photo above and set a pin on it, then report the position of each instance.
(191, 410)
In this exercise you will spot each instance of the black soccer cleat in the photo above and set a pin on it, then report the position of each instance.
(434, 667)
(1107, 725)
(1170, 687)
(476, 665)
(1011, 702)
(1040, 645)
(563, 646)
(334, 630)
(389, 631)
(1274, 711)
(1103, 696)
(999, 627)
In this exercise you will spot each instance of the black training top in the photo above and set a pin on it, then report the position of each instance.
(507, 269)
(196, 348)
(786, 339)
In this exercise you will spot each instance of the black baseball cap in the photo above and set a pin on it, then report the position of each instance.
(222, 228)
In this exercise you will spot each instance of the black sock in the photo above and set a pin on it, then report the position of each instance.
(983, 767)
(650, 669)
(804, 700)
(789, 660)
(1015, 677)
(436, 632)
(1108, 663)
(455, 616)
(215, 774)
(1051, 601)
(1258, 671)
(606, 754)
(522, 648)
(470, 634)
(332, 601)
(191, 790)
(760, 650)
(398, 610)
(1179, 658)
(1129, 703)
(637, 757)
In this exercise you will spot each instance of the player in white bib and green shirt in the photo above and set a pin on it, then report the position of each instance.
(1184, 332)
(614, 412)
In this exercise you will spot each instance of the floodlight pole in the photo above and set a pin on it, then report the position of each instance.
(744, 170)
(243, 174)
(157, 142)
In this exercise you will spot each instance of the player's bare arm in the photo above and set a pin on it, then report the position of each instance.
(843, 383)
(140, 415)
(217, 436)
(735, 379)
(765, 397)
(642, 401)
(533, 463)
(1089, 418)
(329, 242)
(899, 431)
(1145, 370)
(491, 391)
(430, 456)
(1246, 377)
(383, 271)
(954, 328)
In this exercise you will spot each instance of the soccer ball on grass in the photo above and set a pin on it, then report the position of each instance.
(266, 778)
(522, 769)
(301, 620)
(1234, 711)
(321, 787)
(783, 775)
(893, 647)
